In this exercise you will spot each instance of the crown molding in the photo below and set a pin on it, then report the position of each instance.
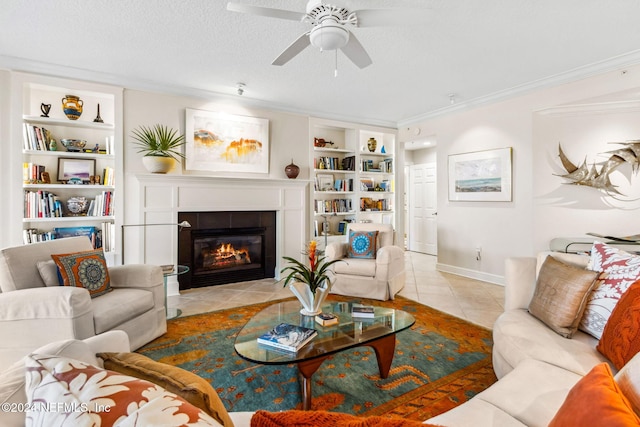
(595, 108)
(74, 73)
(611, 64)
(36, 67)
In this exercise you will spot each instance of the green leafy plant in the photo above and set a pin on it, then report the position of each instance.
(315, 274)
(158, 140)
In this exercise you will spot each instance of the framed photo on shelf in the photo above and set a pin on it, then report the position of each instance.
(366, 184)
(480, 176)
(74, 169)
(219, 142)
(325, 182)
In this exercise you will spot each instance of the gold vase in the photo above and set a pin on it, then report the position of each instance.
(372, 144)
(72, 107)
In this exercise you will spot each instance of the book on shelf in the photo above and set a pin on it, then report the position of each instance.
(359, 310)
(35, 138)
(288, 337)
(41, 204)
(90, 232)
(349, 163)
(33, 235)
(326, 319)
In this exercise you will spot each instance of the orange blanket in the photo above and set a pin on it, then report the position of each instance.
(326, 419)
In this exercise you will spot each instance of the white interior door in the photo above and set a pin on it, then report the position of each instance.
(423, 230)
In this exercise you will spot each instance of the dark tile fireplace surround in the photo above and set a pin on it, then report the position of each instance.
(226, 247)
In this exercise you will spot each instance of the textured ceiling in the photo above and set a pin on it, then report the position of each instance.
(468, 47)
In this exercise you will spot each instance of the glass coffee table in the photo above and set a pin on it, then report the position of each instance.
(378, 332)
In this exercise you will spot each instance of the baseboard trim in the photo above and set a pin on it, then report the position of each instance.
(472, 274)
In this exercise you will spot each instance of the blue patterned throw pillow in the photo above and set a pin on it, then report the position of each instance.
(84, 270)
(362, 244)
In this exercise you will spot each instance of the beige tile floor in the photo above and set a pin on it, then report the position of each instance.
(473, 300)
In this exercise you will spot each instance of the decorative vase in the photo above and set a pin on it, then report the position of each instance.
(77, 205)
(371, 144)
(292, 170)
(72, 107)
(158, 164)
(311, 303)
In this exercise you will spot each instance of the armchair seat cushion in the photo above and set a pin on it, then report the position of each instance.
(356, 267)
(115, 308)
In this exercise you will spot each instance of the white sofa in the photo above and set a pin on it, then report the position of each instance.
(32, 314)
(536, 367)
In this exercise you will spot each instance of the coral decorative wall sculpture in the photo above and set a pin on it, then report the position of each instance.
(598, 174)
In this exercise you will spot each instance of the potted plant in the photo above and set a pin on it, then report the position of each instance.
(160, 146)
(311, 284)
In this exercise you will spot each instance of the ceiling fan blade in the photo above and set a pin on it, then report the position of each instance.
(294, 48)
(265, 11)
(390, 17)
(356, 53)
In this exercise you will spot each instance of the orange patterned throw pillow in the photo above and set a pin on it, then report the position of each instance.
(62, 391)
(621, 336)
(323, 418)
(84, 270)
(596, 401)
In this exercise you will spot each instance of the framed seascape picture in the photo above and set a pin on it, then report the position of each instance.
(74, 169)
(220, 142)
(482, 176)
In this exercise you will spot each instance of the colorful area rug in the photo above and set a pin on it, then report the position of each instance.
(441, 362)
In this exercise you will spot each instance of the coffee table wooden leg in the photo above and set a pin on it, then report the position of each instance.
(306, 371)
(385, 348)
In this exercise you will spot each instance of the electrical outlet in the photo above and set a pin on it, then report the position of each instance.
(478, 253)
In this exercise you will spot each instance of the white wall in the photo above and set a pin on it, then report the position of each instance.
(158, 199)
(571, 210)
(423, 156)
(5, 175)
(525, 225)
(288, 135)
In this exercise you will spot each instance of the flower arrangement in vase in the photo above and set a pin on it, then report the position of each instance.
(310, 284)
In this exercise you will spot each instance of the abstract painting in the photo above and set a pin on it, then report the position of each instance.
(220, 142)
(480, 176)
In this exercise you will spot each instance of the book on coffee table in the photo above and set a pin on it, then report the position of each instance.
(359, 310)
(287, 337)
(327, 319)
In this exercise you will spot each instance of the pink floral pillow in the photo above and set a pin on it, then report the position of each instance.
(62, 391)
(618, 270)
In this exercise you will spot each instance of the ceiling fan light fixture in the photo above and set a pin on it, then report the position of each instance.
(329, 36)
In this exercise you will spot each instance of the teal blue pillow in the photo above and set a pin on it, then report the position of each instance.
(362, 244)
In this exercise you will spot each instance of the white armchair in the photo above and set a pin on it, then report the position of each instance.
(380, 278)
(33, 314)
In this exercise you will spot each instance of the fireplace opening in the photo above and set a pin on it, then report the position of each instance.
(226, 247)
(227, 250)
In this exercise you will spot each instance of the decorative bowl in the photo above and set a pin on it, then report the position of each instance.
(77, 205)
(73, 144)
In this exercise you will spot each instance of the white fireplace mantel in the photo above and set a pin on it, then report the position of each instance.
(162, 197)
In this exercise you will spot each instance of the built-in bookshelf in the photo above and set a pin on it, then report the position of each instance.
(69, 190)
(352, 180)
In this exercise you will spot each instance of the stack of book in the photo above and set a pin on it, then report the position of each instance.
(326, 319)
(366, 311)
(287, 337)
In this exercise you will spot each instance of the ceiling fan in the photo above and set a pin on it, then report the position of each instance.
(330, 27)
